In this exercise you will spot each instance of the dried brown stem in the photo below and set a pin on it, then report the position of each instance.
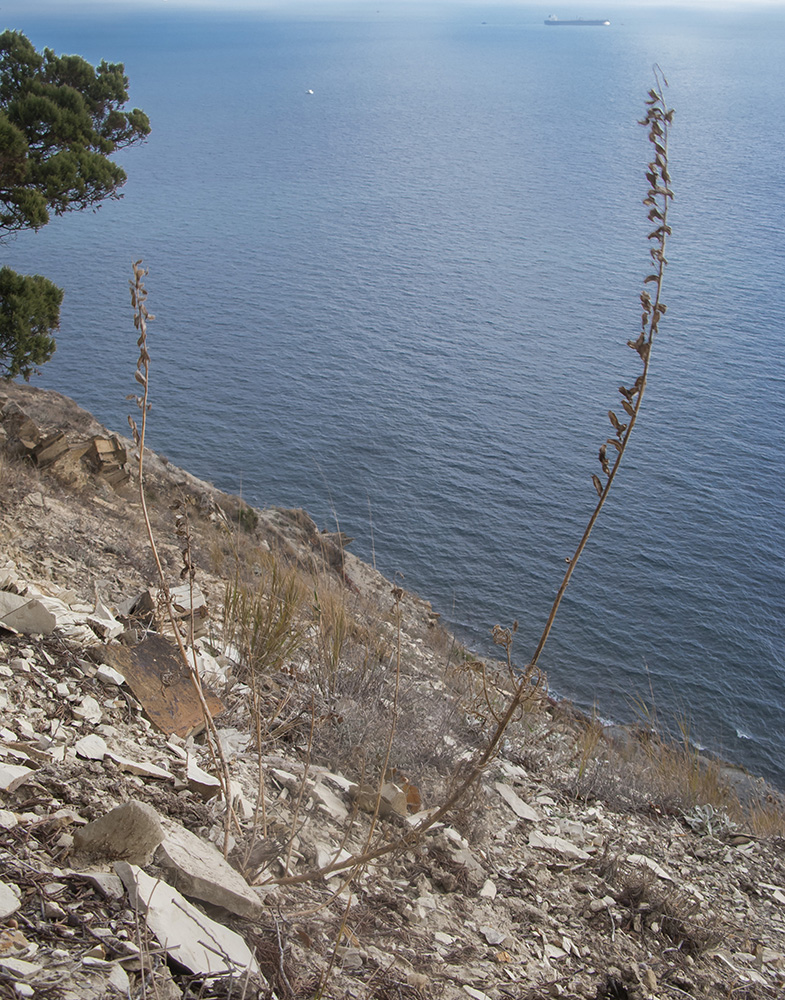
(142, 375)
(659, 195)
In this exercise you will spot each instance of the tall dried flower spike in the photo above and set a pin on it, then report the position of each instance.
(142, 373)
(657, 120)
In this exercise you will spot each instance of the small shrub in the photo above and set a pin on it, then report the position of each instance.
(708, 821)
(266, 622)
(247, 518)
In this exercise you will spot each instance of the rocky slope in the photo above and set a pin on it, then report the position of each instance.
(579, 866)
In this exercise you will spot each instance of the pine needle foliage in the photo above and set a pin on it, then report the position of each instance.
(29, 314)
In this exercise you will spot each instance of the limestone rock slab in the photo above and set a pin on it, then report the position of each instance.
(521, 809)
(10, 900)
(130, 832)
(199, 870)
(557, 844)
(141, 767)
(25, 615)
(191, 938)
(92, 746)
(13, 775)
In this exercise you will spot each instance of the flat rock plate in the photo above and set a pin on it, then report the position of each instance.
(156, 674)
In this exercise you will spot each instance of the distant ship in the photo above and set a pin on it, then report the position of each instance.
(554, 20)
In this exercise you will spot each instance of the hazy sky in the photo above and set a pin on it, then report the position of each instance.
(14, 12)
(13, 7)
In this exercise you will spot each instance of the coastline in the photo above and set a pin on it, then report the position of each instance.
(56, 412)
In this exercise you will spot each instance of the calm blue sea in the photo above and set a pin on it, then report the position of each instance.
(402, 302)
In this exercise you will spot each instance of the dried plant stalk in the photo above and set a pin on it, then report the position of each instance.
(142, 376)
(659, 195)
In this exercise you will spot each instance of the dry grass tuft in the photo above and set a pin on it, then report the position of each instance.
(644, 771)
(267, 622)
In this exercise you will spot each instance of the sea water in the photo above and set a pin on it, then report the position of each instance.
(395, 253)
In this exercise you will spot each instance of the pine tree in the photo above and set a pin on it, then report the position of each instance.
(60, 121)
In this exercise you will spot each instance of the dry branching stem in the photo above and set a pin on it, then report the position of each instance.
(142, 376)
(657, 121)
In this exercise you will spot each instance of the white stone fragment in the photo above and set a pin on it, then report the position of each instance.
(107, 884)
(10, 899)
(197, 869)
(108, 675)
(393, 799)
(241, 805)
(285, 778)
(210, 670)
(181, 598)
(92, 747)
(131, 831)
(743, 974)
(12, 776)
(330, 801)
(488, 891)
(143, 768)
(570, 828)
(514, 771)
(191, 938)
(521, 809)
(328, 856)
(18, 967)
(200, 781)
(557, 844)
(103, 622)
(641, 859)
(69, 622)
(233, 741)
(415, 820)
(337, 779)
(177, 750)
(9, 580)
(8, 819)
(492, 934)
(21, 614)
(119, 981)
(89, 710)
(26, 730)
